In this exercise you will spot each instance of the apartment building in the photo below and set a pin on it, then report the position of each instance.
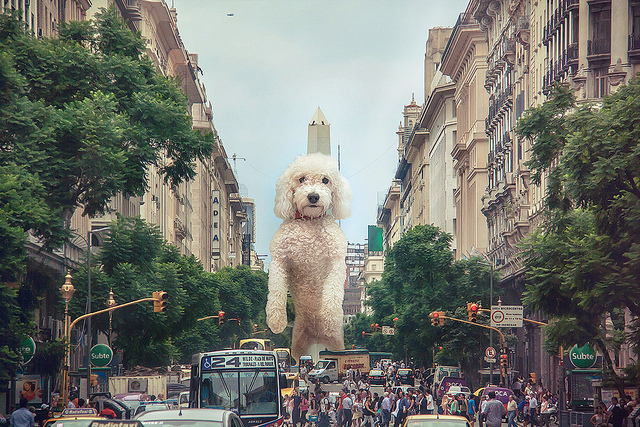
(465, 62)
(42, 17)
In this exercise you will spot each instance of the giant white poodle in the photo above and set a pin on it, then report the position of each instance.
(308, 253)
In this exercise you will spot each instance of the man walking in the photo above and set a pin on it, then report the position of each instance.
(386, 409)
(22, 417)
(493, 411)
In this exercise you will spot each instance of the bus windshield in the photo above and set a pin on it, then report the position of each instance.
(252, 392)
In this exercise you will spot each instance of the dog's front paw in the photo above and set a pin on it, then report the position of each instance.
(276, 320)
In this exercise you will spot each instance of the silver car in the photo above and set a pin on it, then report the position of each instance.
(187, 417)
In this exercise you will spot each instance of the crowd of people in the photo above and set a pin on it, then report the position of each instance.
(529, 405)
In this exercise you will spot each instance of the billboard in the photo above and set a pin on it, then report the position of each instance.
(375, 239)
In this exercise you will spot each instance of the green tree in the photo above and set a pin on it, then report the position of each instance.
(584, 260)
(82, 117)
(421, 276)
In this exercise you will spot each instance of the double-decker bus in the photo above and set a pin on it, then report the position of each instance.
(255, 344)
(246, 382)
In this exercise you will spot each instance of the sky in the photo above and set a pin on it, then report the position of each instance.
(269, 64)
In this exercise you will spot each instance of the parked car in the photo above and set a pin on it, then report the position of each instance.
(74, 417)
(377, 377)
(121, 409)
(190, 416)
(457, 389)
(152, 406)
(404, 376)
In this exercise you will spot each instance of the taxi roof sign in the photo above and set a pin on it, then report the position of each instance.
(115, 423)
(72, 412)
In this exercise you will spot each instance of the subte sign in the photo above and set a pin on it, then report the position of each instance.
(506, 316)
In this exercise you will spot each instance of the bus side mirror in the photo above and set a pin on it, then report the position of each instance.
(283, 381)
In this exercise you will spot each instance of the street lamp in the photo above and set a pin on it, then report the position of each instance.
(67, 291)
(475, 252)
(111, 302)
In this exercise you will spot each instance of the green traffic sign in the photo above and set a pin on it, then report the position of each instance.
(582, 357)
(101, 355)
(28, 349)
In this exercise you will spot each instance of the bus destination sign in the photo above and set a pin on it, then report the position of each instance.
(238, 362)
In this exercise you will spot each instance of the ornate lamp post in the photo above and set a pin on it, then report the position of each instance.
(111, 302)
(67, 291)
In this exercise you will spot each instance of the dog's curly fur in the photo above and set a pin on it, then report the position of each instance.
(308, 253)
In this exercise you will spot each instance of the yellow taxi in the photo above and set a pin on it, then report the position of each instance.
(435, 420)
(74, 417)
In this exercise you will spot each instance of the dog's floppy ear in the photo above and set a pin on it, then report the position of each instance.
(284, 208)
(342, 199)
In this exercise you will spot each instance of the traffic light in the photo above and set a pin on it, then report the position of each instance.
(504, 358)
(159, 301)
(440, 317)
(435, 318)
(363, 334)
(532, 377)
(255, 327)
(94, 380)
(472, 309)
(221, 318)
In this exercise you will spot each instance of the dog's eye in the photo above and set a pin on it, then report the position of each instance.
(302, 178)
(325, 180)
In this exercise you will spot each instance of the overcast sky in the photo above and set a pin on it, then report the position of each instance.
(268, 64)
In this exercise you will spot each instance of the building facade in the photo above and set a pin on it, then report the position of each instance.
(464, 61)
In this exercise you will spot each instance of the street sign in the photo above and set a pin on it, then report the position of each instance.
(388, 330)
(101, 355)
(582, 357)
(506, 316)
(27, 349)
(490, 352)
(490, 359)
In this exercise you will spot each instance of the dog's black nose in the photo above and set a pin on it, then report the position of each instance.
(313, 197)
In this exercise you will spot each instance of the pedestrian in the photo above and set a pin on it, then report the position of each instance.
(493, 411)
(533, 410)
(471, 411)
(403, 406)
(600, 419)
(347, 413)
(358, 408)
(512, 409)
(340, 409)
(386, 409)
(618, 414)
(295, 413)
(368, 411)
(22, 417)
(304, 408)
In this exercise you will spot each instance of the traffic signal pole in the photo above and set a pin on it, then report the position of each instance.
(502, 339)
(65, 372)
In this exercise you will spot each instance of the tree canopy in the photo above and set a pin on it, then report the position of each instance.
(134, 262)
(82, 118)
(584, 260)
(421, 276)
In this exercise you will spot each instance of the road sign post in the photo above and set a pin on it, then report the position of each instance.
(506, 316)
(388, 330)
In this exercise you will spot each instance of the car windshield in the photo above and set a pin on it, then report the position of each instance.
(180, 423)
(322, 364)
(247, 392)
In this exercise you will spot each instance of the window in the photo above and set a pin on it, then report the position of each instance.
(601, 84)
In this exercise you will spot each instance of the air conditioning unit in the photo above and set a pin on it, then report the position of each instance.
(137, 385)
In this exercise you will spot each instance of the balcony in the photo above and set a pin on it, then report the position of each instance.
(599, 50)
(634, 46)
(570, 5)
